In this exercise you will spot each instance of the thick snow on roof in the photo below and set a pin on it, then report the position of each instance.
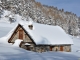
(46, 34)
(27, 44)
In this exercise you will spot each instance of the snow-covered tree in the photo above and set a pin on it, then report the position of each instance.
(42, 14)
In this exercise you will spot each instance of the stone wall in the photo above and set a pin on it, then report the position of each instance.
(66, 48)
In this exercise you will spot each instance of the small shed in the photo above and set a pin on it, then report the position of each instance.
(40, 37)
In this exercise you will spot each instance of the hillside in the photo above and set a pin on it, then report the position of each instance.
(41, 14)
(11, 52)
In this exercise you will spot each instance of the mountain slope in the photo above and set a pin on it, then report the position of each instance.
(42, 14)
(9, 52)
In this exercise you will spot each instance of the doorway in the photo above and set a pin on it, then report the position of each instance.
(21, 34)
(51, 48)
(61, 48)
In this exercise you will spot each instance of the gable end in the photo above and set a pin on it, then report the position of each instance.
(16, 30)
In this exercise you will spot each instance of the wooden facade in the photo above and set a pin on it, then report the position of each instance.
(21, 33)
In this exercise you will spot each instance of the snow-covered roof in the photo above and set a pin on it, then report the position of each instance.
(27, 44)
(46, 34)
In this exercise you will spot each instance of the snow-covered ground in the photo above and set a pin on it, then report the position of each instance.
(11, 52)
(8, 52)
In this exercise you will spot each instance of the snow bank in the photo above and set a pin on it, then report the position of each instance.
(76, 45)
(17, 42)
(27, 44)
(8, 52)
(4, 40)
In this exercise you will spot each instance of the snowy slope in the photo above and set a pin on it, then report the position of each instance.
(5, 25)
(10, 52)
(76, 45)
(5, 28)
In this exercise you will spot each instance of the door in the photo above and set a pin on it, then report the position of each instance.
(50, 48)
(28, 47)
(21, 34)
(61, 48)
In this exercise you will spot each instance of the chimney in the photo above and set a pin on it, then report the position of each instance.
(30, 27)
(30, 24)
